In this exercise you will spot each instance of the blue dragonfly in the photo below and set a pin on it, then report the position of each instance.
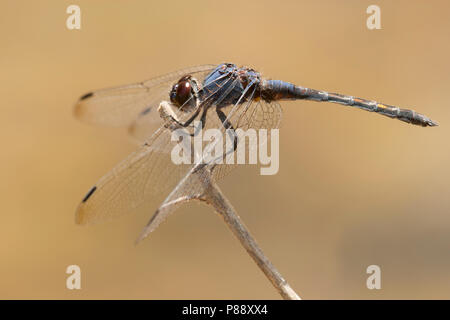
(221, 96)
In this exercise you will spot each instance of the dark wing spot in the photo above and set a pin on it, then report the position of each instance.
(145, 111)
(87, 95)
(89, 194)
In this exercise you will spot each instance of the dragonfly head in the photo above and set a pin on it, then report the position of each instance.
(184, 93)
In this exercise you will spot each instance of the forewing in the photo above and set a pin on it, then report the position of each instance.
(251, 115)
(120, 106)
(137, 180)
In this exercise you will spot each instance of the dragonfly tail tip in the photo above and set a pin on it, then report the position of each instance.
(433, 123)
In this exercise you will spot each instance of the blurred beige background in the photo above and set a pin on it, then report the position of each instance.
(354, 188)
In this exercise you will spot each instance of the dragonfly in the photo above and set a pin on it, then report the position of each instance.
(223, 97)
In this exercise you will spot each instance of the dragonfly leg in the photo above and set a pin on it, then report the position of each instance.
(188, 121)
(227, 125)
(172, 121)
(232, 133)
(202, 123)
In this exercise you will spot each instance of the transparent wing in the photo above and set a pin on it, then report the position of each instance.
(137, 180)
(122, 105)
(132, 183)
(145, 123)
(251, 115)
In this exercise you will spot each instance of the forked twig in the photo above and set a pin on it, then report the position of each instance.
(214, 197)
(199, 185)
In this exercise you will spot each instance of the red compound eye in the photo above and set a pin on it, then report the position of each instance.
(184, 89)
(181, 92)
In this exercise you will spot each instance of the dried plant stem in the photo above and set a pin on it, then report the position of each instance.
(201, 187)
(214, 197)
